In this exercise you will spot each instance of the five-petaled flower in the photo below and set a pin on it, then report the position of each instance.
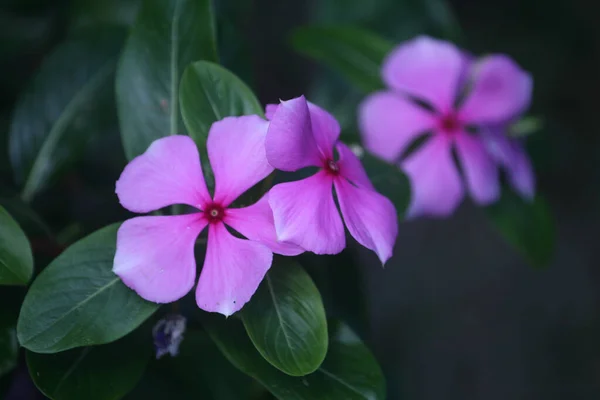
(485, 94)
(303, 135)
(155, 254)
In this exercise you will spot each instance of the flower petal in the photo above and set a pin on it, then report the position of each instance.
(501, 90)
(370, 217)
(510, 154)
(167, 173)
(351, 168)
(326, 130)
(426, 68)
(155, 255)
(236, 149)
(436, 185)
(290, 144)
(389, 123)
(233, 269)
(481, 173)
(256, 223)
(305, 214)
(270, 110)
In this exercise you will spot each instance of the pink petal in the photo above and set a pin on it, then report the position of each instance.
(233, 269)
(389, 123)
(167, 173)
(351, 168)
(325, 128)
(155, 255)
(236, 149)
(256, 223)
(501, 90)
(370, 217)
(511, 155)
(270, 110)
(480, 171)
(305, 214)
(290, 144)
(426, 68)
(436, 184)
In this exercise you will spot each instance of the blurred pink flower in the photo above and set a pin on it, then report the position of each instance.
(303, 135)
(483, 94)
(155, 254)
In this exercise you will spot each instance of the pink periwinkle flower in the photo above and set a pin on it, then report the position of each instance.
(155, 254)
(485, 94)
(303, 135)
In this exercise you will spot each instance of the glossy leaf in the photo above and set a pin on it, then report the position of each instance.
(356, 53)
(389, 181)
(349, 372)
(166, 37)
(209, 93)
(65, 105)
(16, 260)
(78, 301)
(286, 319)
(91, 373)
(528, 226)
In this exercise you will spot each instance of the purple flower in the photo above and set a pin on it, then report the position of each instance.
(483, 94)
(304, 135)
(155, 254)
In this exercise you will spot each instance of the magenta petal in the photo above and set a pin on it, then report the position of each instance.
(351, 168)
(155, 255)
(305, 214)
(270, 110)
(501, 90)
(478, 166)
(436, 184)
(326, 130)
(167, 173)
(290, 144)
(511, 155)
(236, 149)
(256, 223)
(233, 269)
(389, 123)
(370, 217)
(426, 68)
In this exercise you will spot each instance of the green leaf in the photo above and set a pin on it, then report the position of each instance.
(353, 52)
(286, 319)
(9, 347)
(166, 37)
(26, 217)
(389, 181)
(349, 372)
(528, 226)
(16, 260)
(91, 373)
(78, 301)
(209, 93)
(63, 107)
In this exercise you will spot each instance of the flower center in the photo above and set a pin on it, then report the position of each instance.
(450, 124)
(332, 167)
(214, 213)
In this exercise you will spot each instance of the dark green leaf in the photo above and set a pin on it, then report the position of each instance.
(16, 260)
(9, 347)
(349, 372)
(528, 226)
(92, 373)
(389, 181)
(63, 107)
(92, 12)
(78, 301)
(353, 52)
(166, 37)
(27, 218)
(286, 320)
(209, 93)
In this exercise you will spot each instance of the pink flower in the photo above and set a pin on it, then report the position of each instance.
(155, 254)
(494, 92)
(304, 135)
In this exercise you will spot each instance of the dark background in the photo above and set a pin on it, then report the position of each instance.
(457, 314)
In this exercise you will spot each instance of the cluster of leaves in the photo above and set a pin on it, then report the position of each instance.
(87, 335)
